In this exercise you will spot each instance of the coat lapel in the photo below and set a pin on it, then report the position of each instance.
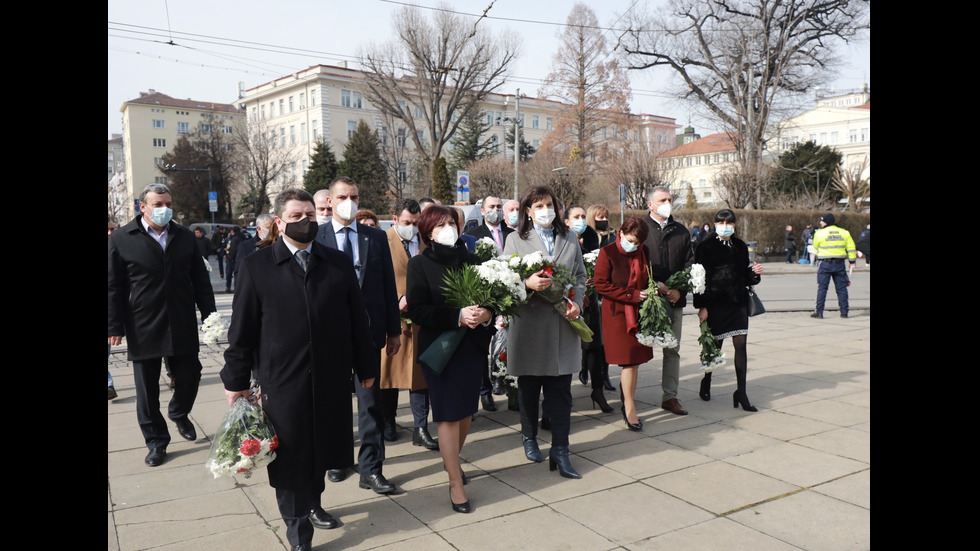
(363, 244)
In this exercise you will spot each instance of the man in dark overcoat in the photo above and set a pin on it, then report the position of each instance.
(156, 277)
(368, 249)
(306, 328)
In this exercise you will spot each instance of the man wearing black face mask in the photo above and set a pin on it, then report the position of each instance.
(298, 315)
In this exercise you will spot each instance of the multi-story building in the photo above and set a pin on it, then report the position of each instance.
(697, 163)
(152, 123)
(326, 103)
(840, 121)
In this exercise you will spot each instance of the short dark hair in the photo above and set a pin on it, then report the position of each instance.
(725, 215)
(431, 217)
(409, 204)
(341, 180)
(637, 227)
(290, 194)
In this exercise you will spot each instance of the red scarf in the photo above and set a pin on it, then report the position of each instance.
(637, 281)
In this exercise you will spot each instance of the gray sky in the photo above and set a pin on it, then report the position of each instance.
(273, 39)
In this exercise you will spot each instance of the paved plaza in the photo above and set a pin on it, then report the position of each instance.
(796, 475)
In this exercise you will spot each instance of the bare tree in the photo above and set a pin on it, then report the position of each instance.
(492, 175)
(261, 161)
(435, 73)
(640, 170)
(739, 189)
(400, 161)
(743, 59)
(594, 89)
(854, 185)
(119, 207)
(566, 175)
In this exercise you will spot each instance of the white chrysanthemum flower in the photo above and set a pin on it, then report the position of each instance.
(697, 278)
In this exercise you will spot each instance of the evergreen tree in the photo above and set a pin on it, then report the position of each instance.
(527, 150)
(362, 163)
(188, 187)
(322, 170)
(469, 144)
(808, 166)
(442, 185)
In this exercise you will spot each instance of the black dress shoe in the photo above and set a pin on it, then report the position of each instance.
(337, 475)
(816, 315)
(488, 403)
(376, 482)
(302, 547)
(421, 437)
(186, 429)
(322, 519)
(155, 457)
(391, 431)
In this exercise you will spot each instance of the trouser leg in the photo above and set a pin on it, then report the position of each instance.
(595, 361)
(840, 284)
(528, 390)
(295, 507)
(187, 379)
(152, 424)
(418, 400)
(389, 403)
(823, 282)
(370, 424)
(672, 358)
(557, 407)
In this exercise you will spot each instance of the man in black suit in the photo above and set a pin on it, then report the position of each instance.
(368, 249)
(156, 277)
(493, 227)
(298, 317)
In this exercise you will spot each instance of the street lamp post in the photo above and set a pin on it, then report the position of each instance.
(516, 119)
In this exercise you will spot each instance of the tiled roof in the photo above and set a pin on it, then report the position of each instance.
(865, 106)
(156, 98)
(712, 143)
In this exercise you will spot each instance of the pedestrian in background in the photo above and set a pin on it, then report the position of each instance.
(834, 246)
(790, 244)
(864, 245)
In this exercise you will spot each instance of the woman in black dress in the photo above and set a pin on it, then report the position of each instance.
(724, 304)
(455, 392)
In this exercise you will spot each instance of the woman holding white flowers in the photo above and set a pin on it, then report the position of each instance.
(543, 349)
(724, 303)
(455, 392)
(621, 278)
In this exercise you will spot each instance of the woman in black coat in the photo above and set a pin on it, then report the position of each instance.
(455, 393)
(724, 304)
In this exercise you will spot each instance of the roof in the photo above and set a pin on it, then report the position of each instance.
(156, 98)
(712, 143)
(865, 106)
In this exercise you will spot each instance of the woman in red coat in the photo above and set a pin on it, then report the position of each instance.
(621, 277)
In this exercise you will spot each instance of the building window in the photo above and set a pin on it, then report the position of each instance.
(282, 137)
(305, 166)
(403, 106)
(547, 123)
(535, 123)
(292, 134)
(157, 123)
(865, 134)
(351, 126)
(206, 128)
(282, 107)
(345, 98)
(384, 136)
(263, 111)
(160, 180)
(420, 134)
(312, 98)
(402, 173)
(536, 144)
(183, 128)
(852, 135)
(350, 99)
(834, 137)
(227, 130)
(494, 144)
(401, 138)
(302, 100)
(291, 104)
(302, 134)
(314, 130)
(418, 112)
(159, 142)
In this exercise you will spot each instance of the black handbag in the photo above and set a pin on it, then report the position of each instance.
(755, 304)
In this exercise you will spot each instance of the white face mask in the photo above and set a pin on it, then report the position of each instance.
(543, 217)
(322, 220)
(407, 233)
(447, 236)
(664, 210)
(346, 209)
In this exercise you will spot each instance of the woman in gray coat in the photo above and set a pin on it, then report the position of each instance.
(543, 350)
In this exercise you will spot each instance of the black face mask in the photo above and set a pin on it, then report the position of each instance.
(601, 225)
(301, 231)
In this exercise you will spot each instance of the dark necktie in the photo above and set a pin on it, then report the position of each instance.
(407, 252)
(304, 259)
(348, 246)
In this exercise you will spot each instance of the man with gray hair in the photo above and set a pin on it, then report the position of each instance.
(156, 278)
(669, 245)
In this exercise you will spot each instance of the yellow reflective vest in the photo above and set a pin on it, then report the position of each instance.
(834, 242)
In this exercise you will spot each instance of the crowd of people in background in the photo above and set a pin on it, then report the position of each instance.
(318, 267)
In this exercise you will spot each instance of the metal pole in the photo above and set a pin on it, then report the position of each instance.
(211, 188)
(517, 140)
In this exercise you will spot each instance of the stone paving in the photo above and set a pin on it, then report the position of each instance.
(796, 475)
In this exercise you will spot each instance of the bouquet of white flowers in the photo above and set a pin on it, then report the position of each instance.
(690, 279)
(654, 324)
(214, 329)
(589, 260)
(244, 442)
(486, 249)
(711, 355)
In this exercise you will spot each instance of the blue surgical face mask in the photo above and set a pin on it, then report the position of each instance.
(579, 226)
(627, 245)
(161, 216)
(512, 218)
(724, 230)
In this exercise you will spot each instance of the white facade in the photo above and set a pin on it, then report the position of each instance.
(842, 122)
(697, 164)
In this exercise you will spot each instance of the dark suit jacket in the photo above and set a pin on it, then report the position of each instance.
(152, 292)
(482, 231)
(308, 333)
(377, 278)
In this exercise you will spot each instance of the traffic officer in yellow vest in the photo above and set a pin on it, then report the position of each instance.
(834, 246)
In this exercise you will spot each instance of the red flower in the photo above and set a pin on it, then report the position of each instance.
(242, 470)
(571, 294)
(503, 356)
(548, 271)
(250, 447)
(274, 443)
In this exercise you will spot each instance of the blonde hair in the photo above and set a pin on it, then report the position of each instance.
(593, 212)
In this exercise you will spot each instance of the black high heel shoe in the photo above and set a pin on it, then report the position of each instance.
(705, 392)
(740, 399)
(638, 426)
(600, 398)
(459, 507)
